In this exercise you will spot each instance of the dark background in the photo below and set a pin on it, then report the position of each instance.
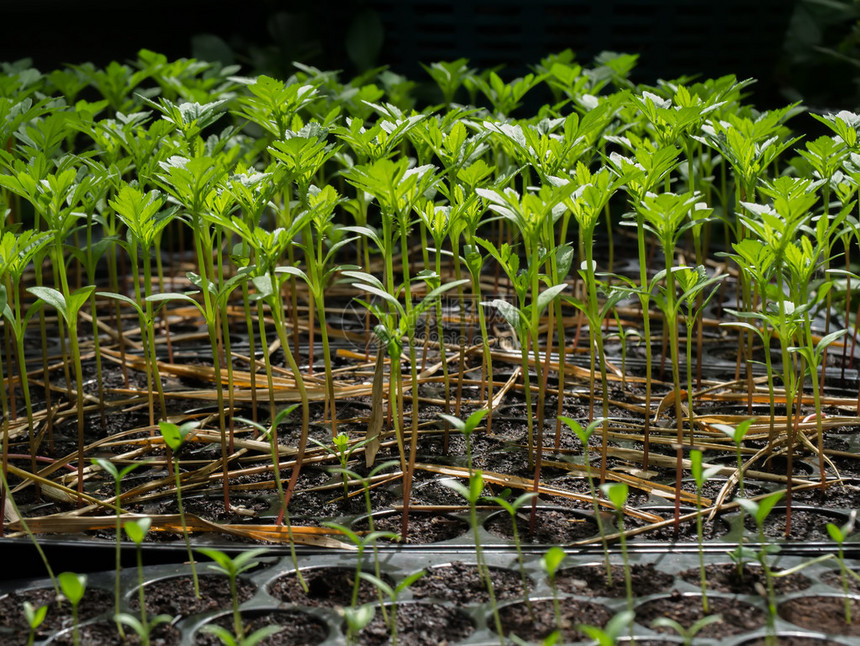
(777, 42)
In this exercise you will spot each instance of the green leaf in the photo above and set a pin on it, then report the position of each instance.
(736, 434)
(412, 578)
(107, 465)
(73, 586)
(175, 296)
(827, 340)
(548, 295)
(835, 533)
(221, 633)
(77, 299)
(509, 312)
(175, 435)
(616, 492)
(122, 297)
(551, 561)
(260, 634)
(52, 297)
(379, 584)
(36, 616)
(137, 529)
(456, 422)
(358, 618)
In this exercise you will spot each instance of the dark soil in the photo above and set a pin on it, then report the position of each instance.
(327, 586)
(552, 526)
(12, 623)
(686, 530)
(837, 496)
(821, 613)
(175, 595)
(590, 580)
(738, 616)
(297, 628)
(540, 622)
(423, 527)
(723, 577)
(790, 640)
(834, 578)
(461, 584)
(419, 624)
(806, 525)
(105, 633)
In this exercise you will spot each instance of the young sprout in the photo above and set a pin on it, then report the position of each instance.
(174, 436)
(73, 587)
(136, 531)
(513, 508)
(584, 434)
(271, 435)
(687, 634)
(737, 435)
(361, 542)
(342, 450)
(701, 476)
(34, 617)
(759, 512)
(551, 563)
(617, 492)
(232, 568)
(467, 428)
(109, 467)
(356, 619)
(228, 639)
(839, 534)
(68, 308)
(608, 636)
(472, 494)
(393, 594)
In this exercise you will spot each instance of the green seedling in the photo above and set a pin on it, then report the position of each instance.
(609, 635)
(34, 618)
(356, 619)
(136, 530)
(467, 428)
(617, 492)
(142, 630)
(143, 626)
(365, 485)
(472, 494)
(701, 476)
(232, 568)
(68, 308)
(274, 452)
(687, 634)
(551, 562)
(737, 435)
(110, 468)
(361, 542)
(174, 436)
(839, 535)
(73, 587)
(393, 594)
(513, 508)
(228, 639)
(342, 449)
(759, 512)
(395, 322)
(17, 252)
(583, 434)
(144, 220)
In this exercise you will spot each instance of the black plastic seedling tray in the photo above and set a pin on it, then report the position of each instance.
(664, 567)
